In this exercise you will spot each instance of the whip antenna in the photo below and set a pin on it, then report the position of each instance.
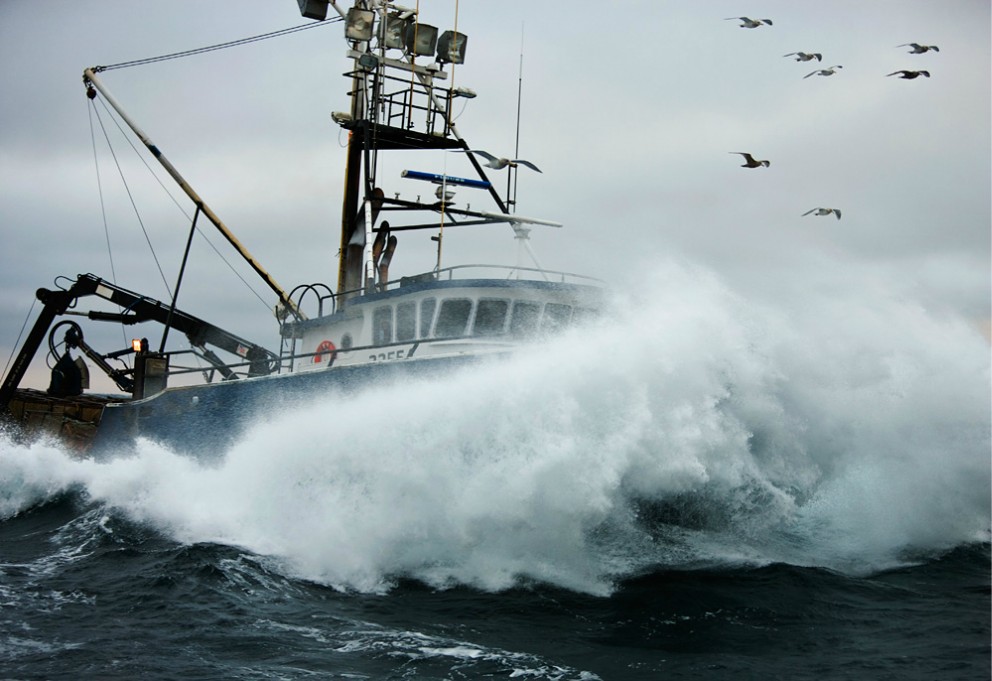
(516, 146)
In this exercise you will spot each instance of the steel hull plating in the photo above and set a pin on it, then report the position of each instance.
(204, 421)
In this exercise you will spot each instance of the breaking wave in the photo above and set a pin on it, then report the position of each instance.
(690, 428)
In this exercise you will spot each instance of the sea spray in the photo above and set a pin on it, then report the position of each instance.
(689, 426)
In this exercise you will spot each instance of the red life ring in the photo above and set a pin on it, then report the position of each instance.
(325, 348)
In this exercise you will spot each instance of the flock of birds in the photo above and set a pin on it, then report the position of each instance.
(915, 48)
(498, 163)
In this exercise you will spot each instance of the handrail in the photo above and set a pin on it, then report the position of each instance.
(301, 291)
(437, 276)
(514, 268)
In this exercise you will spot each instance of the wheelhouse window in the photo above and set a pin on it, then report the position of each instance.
(490, 317)
(556, 317)
(452, 318)
(382, 325)
(523, 321)
(427, 307)
(583, 315)
(406, 321)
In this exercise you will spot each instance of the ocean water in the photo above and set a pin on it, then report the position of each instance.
(697, 487)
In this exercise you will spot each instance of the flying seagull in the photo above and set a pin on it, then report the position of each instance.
(824, 211)
(749, 23)
(910, 75)
(500, 163)
(919, 49)
(805, 56)
(824, 72)
(750, 161)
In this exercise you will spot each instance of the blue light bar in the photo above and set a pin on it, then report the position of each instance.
(446, 179)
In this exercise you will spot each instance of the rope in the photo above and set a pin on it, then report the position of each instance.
(20, 333)
(182, 210)
(99, 186)
(137, 214)
(211, 48)
(103, 208)
(177, 55)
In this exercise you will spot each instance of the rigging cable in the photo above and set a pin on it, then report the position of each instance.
(211, 48)
(103, 205)
(133, 205)
(187, 53)
(20, 333)
(182, 210)
(103, 209)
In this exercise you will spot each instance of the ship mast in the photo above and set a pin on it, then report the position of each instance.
(394, 112)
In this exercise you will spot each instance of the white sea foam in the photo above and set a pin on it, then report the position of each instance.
(848, 431)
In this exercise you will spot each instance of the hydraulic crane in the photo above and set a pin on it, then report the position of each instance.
(135, 308)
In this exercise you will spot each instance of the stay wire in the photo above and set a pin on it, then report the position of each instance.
(212, 48)
(187, 53)
(137, 213)
(103, 208)
(20, 333)
(103, 205)
(182, 210)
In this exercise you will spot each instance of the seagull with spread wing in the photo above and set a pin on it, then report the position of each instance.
(749, 23)
(919, 49)
(824, 211)
(824, 72)
(805, 56)
(498, 163)
(750, 161)
(910, 75)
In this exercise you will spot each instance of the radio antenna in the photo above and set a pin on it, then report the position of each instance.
(516, 146)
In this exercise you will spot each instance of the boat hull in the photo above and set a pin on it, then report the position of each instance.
(204, 421)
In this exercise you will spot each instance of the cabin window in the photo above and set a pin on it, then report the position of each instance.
(523, 322)
(406, 321)
(452, 318)
(583, 315)
(427, 307)
(556, 317)
(382, 325)
(490, 317)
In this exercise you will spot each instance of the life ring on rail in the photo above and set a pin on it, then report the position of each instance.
(325, 348)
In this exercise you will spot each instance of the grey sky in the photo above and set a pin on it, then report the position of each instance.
(629, 108)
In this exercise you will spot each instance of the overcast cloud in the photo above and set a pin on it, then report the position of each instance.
(629, 108)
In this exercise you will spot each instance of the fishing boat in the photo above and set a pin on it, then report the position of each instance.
(368, 327)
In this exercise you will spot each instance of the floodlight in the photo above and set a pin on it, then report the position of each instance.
(313, 9)
(451, 47)
(421, 39)
(396, 28)
(358, 24)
